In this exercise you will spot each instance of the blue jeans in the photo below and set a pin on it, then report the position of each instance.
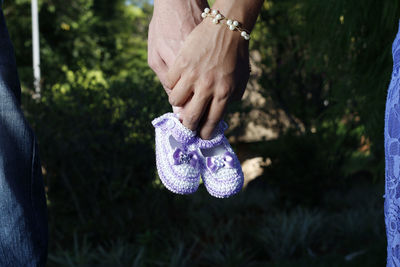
(23, 211)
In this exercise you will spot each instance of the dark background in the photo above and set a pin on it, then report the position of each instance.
(322, 69)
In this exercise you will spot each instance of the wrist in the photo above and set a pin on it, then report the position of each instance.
(220, 33)
(244, 11)
(218, 18)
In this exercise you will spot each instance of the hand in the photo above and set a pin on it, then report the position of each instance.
(211, 69)
(172, 22)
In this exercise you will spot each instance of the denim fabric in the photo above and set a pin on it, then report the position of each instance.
(392, 158)
(23, 211)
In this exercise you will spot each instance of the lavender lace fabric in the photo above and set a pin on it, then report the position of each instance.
(392, 157)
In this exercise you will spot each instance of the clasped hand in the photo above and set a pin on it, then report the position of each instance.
(210, 70)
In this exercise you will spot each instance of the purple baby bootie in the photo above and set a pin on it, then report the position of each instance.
(221, 171)
(176, 156)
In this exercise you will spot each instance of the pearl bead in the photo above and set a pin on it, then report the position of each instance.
(215, 21)
(206, 10)
(214, 12)
(218, 16)
(232, 27)
(236, 23)
(203, 15)
(229, 22)
(243, 34)
(247, 37)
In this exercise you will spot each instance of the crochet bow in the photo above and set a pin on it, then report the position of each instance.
(182, 157)
(218, 162)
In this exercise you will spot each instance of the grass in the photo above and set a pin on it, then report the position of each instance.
(251, 229)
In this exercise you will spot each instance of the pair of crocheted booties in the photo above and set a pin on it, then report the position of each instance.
(182, 157)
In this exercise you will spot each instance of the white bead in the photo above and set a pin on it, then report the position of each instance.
(243, 34)
(229, 22)
(214, 12)
(232, 27)
(247, 37)
(218, 16)
(236, 23)
(206, 10)
(203, 15)
(215, 21)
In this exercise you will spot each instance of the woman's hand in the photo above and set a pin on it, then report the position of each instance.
(172, 22)
(211, 69)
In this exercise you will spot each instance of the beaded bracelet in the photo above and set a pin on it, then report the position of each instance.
(232, 24)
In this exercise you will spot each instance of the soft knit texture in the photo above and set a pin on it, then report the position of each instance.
(221, 171)
(216, 139)
(177, 161)
(182, 156)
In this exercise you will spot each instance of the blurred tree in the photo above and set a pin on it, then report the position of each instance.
(99, 97)
(352, 44)
(325, 63)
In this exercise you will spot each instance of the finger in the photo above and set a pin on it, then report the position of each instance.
(192, 113)
(181, 93)
(174, 73)
(212, 119)
(176, 110)
(169, 55)
(158, 65)
(162, 76)
(155, 61)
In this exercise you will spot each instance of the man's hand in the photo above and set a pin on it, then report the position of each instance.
(172, 22)
(211, 69)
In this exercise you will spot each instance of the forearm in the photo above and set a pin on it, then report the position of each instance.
(244, 11)
(187, 11)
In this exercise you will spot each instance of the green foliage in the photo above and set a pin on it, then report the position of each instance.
(326, 64)
(285, 234)
(357, 44)
(248, 230)
(101, 151)
(329, 62)
(305, 166)
(115, 254)
(94, 117)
